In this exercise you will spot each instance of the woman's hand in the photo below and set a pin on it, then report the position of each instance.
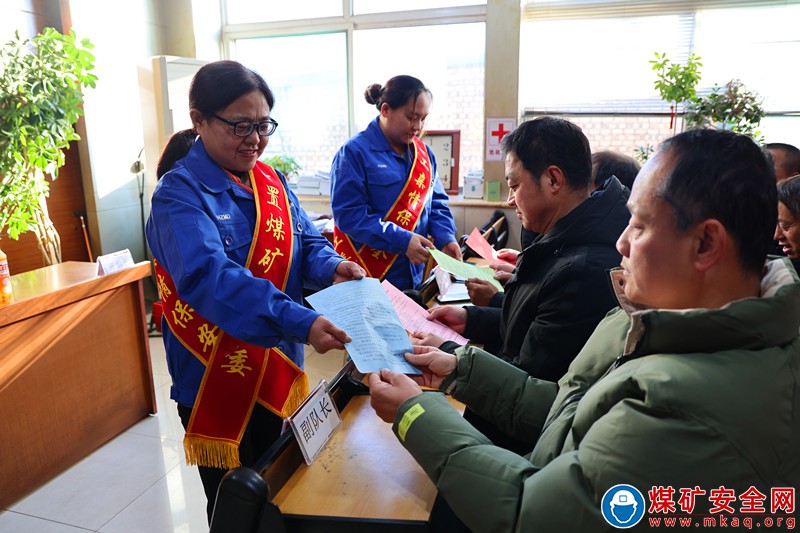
(348, 271)
(323, 335)
(417, 251)
(453, 250)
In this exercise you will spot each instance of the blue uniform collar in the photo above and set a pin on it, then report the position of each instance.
(209, 173)
(377, 140)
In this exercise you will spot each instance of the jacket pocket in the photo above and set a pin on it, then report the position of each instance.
(384, 185)
(234, 235)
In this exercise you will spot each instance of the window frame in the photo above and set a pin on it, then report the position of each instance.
(348, 23)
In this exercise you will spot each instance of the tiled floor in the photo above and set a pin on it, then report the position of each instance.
(137, 482)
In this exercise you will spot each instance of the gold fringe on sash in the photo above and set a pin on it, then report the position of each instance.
(297, 394)
(201, 451)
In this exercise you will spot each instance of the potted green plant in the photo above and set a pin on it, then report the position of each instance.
(732, 107)
(40, 100)
(675, 82)
(286, 164)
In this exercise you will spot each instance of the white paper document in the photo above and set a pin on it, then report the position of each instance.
(364, 311)
(415, 318)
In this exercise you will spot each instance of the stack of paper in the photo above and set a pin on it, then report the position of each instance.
(314, 184)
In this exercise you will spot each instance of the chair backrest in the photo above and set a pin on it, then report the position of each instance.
(425, 291)
(500, 229)
(495, 231)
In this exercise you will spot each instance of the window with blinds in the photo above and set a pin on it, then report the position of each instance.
(589, 59)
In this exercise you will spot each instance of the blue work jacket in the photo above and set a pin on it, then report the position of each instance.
(200, 229)
(367, 176)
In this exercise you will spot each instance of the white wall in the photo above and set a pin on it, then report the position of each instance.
(125, 34)
(122, 33)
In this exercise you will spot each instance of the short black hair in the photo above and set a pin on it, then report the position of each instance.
(725, 176)
(216, 85)
(789, 194)
(606, 163)
(546, 141)
(791, 157)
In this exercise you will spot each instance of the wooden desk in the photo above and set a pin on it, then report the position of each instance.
(74, 369)
(363, 472)
(362, 479)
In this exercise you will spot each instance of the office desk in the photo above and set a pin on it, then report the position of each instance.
(362, 480)
(363, 472)
(74, 369)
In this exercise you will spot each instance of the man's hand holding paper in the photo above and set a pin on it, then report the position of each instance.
(485, 250)
(464, 270)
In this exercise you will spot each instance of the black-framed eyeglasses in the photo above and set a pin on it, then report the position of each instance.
(243, 128)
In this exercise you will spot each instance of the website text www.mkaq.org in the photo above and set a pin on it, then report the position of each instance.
(624, 506)
(723, 521)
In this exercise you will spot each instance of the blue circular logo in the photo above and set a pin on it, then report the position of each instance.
(623, 506)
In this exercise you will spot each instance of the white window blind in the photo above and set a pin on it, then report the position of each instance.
(594, 54)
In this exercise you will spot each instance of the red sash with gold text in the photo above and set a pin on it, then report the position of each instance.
(405, 213)
(238, 373)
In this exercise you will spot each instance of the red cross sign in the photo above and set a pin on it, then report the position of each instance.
(496, 129)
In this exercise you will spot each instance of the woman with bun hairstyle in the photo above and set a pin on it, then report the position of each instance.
(388, 203)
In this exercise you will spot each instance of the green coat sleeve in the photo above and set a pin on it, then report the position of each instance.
(517, 403)
(490, 488)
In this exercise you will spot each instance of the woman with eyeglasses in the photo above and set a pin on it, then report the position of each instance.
(388, 203)
(233, 250)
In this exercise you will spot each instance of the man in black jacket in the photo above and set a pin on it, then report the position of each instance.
(560, 289)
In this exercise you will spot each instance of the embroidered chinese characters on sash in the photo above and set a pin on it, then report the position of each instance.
(404, 213)
(238, 373)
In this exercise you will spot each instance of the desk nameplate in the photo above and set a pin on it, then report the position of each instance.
(314, 422)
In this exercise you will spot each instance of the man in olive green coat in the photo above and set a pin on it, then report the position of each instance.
(684, 403)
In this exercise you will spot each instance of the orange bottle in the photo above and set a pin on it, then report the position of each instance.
(5, 280)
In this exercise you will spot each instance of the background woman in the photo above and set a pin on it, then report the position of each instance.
(386, 197)
(787, 232)
(233, 250)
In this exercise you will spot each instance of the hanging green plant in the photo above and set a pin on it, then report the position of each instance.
(40, 100)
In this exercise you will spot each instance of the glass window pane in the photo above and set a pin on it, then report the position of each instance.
(448, 59)
(382, 6)
(759, 46)
(243, 11)
(310, 87)
(596, 59)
